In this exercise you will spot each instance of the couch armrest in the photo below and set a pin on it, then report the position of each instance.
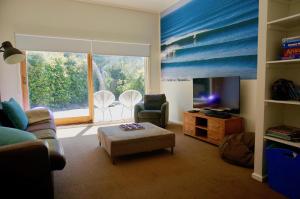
(38, 114)
(138, 108)
(165, 114)
(25, 159)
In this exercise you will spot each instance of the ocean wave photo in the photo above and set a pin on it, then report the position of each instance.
(209, 39)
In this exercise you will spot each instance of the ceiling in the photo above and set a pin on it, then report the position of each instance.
(154, 6)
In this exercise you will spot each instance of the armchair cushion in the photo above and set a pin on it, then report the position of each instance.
(15, 113)
(149, 114)
(154, 102)
(13, 136)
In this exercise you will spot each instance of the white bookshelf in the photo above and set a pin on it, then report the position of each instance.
(278, 19)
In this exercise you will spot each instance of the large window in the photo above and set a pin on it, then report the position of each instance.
(69, 83)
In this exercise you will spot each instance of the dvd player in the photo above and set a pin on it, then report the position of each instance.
(217, 114)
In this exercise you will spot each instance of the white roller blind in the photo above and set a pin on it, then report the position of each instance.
(58, 44)
(52, 44)
(118, 48)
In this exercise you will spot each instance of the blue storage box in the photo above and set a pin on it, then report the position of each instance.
(283, 166)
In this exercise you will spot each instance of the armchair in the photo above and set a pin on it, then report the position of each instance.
(154, 109)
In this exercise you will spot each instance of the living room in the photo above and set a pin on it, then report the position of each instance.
(114, 98)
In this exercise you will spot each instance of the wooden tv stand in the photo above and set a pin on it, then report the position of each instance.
(210, 129)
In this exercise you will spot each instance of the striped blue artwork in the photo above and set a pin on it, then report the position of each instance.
(209, 38)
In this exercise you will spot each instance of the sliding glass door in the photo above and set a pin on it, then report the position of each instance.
(119, 83)
(60, 81)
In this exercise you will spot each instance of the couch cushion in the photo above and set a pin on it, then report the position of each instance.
(49, 124)
(4, 120)
(14, 136)
(150, 114)
(56, 154)
(44, 134)
(154, 102)
(15, 114)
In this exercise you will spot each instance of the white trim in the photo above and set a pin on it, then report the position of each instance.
(174, 7)
(258, 177)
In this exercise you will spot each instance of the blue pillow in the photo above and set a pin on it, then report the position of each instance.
(15, 114)
(13, 136)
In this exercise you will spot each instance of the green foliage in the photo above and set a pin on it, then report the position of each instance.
(122, 73)
(57, 80)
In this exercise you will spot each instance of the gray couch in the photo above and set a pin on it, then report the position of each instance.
(154, 109)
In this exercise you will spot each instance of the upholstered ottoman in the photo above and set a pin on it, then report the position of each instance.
(118, 142)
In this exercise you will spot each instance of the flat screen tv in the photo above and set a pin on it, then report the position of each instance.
(217, 93)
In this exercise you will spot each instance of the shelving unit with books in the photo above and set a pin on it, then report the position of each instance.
(278, 19)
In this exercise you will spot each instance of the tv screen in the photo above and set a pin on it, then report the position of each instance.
(217, 93)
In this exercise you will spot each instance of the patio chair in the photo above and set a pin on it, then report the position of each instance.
(129, 99)
(103, 99)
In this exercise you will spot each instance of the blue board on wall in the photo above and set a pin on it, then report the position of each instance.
(209, 38)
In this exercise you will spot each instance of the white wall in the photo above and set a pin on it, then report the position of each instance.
(180, 97)
(65, 18)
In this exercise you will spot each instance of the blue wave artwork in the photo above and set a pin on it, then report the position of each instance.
(209, 38)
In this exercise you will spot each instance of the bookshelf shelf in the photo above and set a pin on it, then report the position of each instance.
(287, 22)
(289, 61)
(290, 102)
(294, 144)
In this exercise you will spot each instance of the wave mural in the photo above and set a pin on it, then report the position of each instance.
(210, 38)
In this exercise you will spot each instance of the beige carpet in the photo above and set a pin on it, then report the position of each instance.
(195, 171)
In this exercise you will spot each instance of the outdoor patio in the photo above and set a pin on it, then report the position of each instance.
(111, 114)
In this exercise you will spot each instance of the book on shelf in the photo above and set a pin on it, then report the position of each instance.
(290, 48)
(289, 45)
(291, 53)
(290, 39)
(285, 132)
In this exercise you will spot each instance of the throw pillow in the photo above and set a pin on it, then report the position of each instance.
(13, 136)
(15, 114)
(4, 120)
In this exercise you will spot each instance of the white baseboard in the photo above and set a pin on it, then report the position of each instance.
(177, 122)
(258, 177)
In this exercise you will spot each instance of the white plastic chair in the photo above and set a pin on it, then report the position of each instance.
(103, 99)
(128, 99)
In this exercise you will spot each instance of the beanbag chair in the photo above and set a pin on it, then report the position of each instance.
(238, 149)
